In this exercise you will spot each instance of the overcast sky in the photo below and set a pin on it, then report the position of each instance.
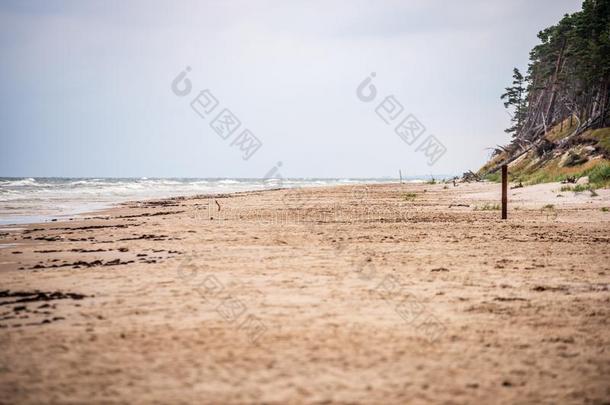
(86, 86)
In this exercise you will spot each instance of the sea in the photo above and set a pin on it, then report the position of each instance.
(33, 200)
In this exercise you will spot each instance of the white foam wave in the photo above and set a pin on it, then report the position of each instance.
(32, 200)
(18, 183)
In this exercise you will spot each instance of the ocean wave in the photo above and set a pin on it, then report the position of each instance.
(227, 181)
(49, 197)
(18, 183)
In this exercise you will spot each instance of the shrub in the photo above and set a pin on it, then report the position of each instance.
(600, 175)
(493, 177)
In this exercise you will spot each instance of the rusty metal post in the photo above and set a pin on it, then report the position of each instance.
(504, 190)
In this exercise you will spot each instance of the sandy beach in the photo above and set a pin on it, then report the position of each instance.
(412, 293)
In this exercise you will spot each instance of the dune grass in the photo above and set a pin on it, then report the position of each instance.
(488, 207)
(409, 196)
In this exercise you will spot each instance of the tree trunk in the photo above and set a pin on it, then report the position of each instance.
(604, 103)
(558, 65)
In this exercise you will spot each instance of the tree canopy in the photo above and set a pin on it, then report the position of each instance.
(568, 76)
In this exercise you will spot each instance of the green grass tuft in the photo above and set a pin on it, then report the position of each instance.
(602, 135)
(599, 176)
(579, 188)
(409, 196)
(493, 177)
(488, 207)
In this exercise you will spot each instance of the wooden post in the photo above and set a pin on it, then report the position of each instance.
(504, 190)
(400, 174)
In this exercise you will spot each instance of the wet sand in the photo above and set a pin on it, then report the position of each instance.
(367, 294)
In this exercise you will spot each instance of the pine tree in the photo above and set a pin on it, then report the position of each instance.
(568, 77)
(515, 99)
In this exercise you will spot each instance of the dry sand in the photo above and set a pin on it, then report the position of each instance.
(378, 294)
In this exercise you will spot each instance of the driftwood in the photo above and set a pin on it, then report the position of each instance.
(569, 179)
(520, 185)
(470, 176)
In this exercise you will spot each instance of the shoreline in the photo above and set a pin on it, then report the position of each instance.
(102, 199)
(368, 293)
(79, 214)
